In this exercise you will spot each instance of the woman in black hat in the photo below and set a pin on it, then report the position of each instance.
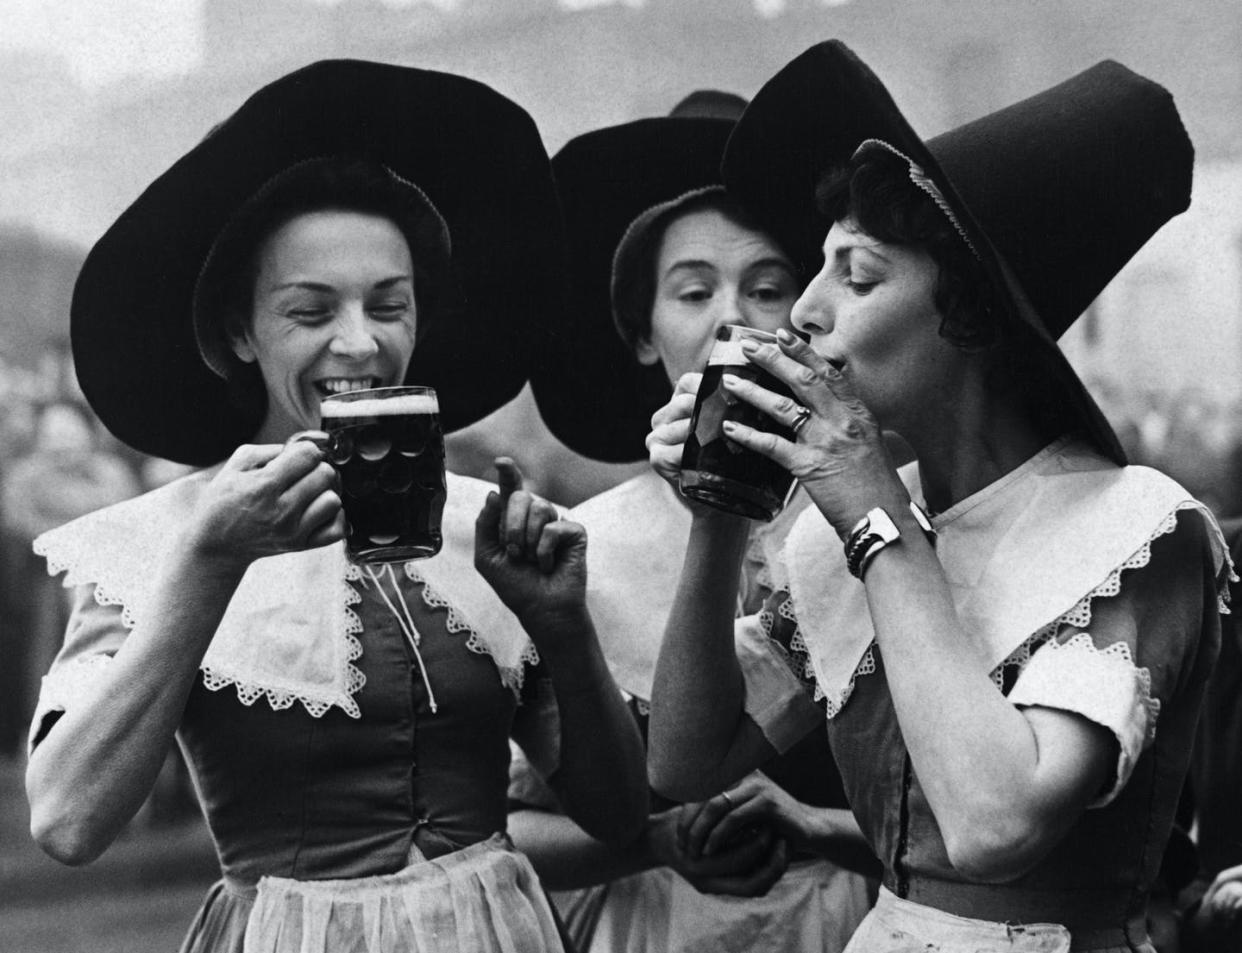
(350, 731)
(1011, 686)
(660, 258)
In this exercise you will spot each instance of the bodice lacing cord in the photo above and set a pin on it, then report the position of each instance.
(406, 622)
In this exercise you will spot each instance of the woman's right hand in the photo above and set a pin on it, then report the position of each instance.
(670, 428)
(268, 499)
(747, 867)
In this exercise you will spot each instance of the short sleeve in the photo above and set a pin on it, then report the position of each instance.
(1132, 647)
(93, 636)
(779, 693)
(537, 723)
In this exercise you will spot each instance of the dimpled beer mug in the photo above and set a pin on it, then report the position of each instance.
(387, 447)
(714, 469)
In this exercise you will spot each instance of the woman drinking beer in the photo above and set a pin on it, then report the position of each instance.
(1012, 685)
(348, 725)
(661, 258)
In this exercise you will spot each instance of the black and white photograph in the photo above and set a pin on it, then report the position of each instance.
(620, 476)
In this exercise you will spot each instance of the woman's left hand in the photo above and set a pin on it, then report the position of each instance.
(535, 560)
(755, 801)
(838, 454)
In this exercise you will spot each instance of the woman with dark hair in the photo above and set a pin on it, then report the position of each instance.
(348, 731)
(661, 258)
(1011, 636)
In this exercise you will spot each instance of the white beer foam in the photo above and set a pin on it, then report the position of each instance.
(380, 406)
(730, 352)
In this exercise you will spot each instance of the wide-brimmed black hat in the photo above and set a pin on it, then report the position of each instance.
(474, 156)
(591, 391)
(1054, 193)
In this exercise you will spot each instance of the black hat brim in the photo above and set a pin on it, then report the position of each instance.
(475, 154)
(592, 392)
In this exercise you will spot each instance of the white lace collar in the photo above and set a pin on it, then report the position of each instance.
(637, 533)
(289, 633)
(1024, 552)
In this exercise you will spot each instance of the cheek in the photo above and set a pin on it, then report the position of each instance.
(398, 341)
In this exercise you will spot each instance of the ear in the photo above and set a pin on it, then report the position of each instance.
(239, 342)
(646, 353)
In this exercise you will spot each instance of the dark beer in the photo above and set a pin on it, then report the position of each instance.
(388, 449)
(714, 469)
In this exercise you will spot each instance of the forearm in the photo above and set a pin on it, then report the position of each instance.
(93, 770)
(567, 858)
(601, 776)
(976, 755)
(834, 834)
(698, 695)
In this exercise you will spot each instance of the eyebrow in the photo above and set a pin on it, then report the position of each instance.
(689, 264)
(772, 262)
(842, 253)
(318, 286)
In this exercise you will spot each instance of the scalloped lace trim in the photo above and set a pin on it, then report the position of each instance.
(798, 657)
(1102, 685)
(248, 692)
(1078, 617)
(1112, 658)
(511, 677)
(58, 561)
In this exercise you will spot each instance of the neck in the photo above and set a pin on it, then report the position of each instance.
(981, 441)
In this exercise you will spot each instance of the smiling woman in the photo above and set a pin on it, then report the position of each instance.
(349, 730)
(333, 311)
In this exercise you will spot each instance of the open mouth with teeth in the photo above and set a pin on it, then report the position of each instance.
(343, 385)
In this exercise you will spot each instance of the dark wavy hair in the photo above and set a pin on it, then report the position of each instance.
(874, 191)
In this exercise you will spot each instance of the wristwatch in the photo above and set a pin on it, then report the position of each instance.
(875, 531)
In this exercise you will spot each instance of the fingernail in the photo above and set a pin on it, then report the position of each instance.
(728, 426)
(730, 380)
(749, 346)
(785, 337)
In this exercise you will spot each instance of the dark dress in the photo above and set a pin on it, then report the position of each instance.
(397, 792)
(1133, 654)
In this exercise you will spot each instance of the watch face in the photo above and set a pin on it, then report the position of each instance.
(881, 525)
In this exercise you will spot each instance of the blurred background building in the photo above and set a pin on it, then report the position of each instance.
(97, 99)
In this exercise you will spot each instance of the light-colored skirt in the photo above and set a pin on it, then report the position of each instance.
(813, 908)
(900, 926)
(482, 899)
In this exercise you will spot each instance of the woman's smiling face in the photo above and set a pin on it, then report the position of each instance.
(710, 272)
(333, 311)
(871, 311)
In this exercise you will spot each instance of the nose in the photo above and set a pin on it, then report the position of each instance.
(731, 310)
(811, 313)
(353, 338)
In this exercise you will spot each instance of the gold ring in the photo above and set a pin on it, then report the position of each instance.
(801, 418)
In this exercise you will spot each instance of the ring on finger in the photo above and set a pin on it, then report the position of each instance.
(801, 418)
(728, 800)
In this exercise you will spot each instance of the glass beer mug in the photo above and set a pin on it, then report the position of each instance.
(714, 469)
(387, 447)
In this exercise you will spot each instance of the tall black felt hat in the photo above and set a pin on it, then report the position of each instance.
(476, 157)
(591, 391)
(1054, 193)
